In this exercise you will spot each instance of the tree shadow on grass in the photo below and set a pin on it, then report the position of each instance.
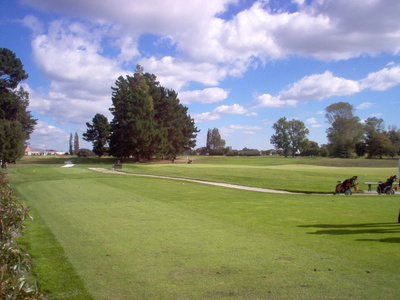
(362, 228)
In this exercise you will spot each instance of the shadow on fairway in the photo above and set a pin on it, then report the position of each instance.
(362, 228)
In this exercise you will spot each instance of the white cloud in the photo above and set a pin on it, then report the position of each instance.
(383, 79)
(69, 55)
(175, 73)
(234, 109)
(320, 86)
(365, 105)
(311, 121)
(208, 95)
(46, 136)
(204, 48)
(222, 110)
(316, 125)
(267, 100)
(33, 23)
(227, 130)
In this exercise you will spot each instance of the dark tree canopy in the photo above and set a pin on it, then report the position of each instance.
(345, 131)
(148, 119)
(98, 133)
(16, 122)
(11, 69)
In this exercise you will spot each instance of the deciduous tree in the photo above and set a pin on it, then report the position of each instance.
(345, 131)
(215, 143)
(281, 138)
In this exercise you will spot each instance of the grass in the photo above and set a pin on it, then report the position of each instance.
(127, 237)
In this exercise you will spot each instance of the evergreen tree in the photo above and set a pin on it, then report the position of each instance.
(98, 133)
(148, 119)
(76, 144)
(71, 147)
(133, 122)
(16, 123)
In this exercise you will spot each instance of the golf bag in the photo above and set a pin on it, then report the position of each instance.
(387, 187)
(345, 187)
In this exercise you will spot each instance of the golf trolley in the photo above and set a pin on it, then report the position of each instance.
(387, 187)
(345, 187)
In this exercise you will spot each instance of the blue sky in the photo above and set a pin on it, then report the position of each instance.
(238, 65)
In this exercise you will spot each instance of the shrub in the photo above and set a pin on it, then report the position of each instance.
(14, 262)
(85, 152)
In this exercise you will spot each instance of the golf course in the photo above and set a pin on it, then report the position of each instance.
(104, 235)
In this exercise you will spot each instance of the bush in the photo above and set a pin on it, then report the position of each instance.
(14, 262)
(85, 152)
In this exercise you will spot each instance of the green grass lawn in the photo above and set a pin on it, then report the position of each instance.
(126, 237)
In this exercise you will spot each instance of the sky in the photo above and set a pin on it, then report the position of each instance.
(238, 65)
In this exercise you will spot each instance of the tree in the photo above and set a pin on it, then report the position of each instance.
(71, 148)
(297, 133)
(215, 143)
(394, 136)
(376, 141)
(85, 152)
(16, 122)
(309, 148)
(76, 143)
(378, 145)
(345, 131)
(98, 133)
(175, 129)
(11, 70)
(289, 135)
(133, 122)
(281, 139)
(148, 119)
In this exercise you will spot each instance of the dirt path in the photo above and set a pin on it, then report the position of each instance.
(228, 185)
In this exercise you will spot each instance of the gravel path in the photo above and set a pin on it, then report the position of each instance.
(228, 185)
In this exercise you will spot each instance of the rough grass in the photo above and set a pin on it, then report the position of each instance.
(127, 237)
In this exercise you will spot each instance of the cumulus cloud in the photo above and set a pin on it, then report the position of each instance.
(47, 136)
(383, 79)
(176, 73)
(208, 95)
(204, 48)
(326, 85)
(267, 100)
(320, 86)
(227, 130)
(222, 110)
(69, 55)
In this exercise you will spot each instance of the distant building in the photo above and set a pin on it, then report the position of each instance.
(35, 151)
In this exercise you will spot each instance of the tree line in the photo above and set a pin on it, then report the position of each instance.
(347, 136)
(148, 120)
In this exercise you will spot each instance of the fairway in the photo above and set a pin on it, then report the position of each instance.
(129, 237)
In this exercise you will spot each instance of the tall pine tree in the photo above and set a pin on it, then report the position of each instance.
(148, 119)
(16, 122)
(98, 133)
